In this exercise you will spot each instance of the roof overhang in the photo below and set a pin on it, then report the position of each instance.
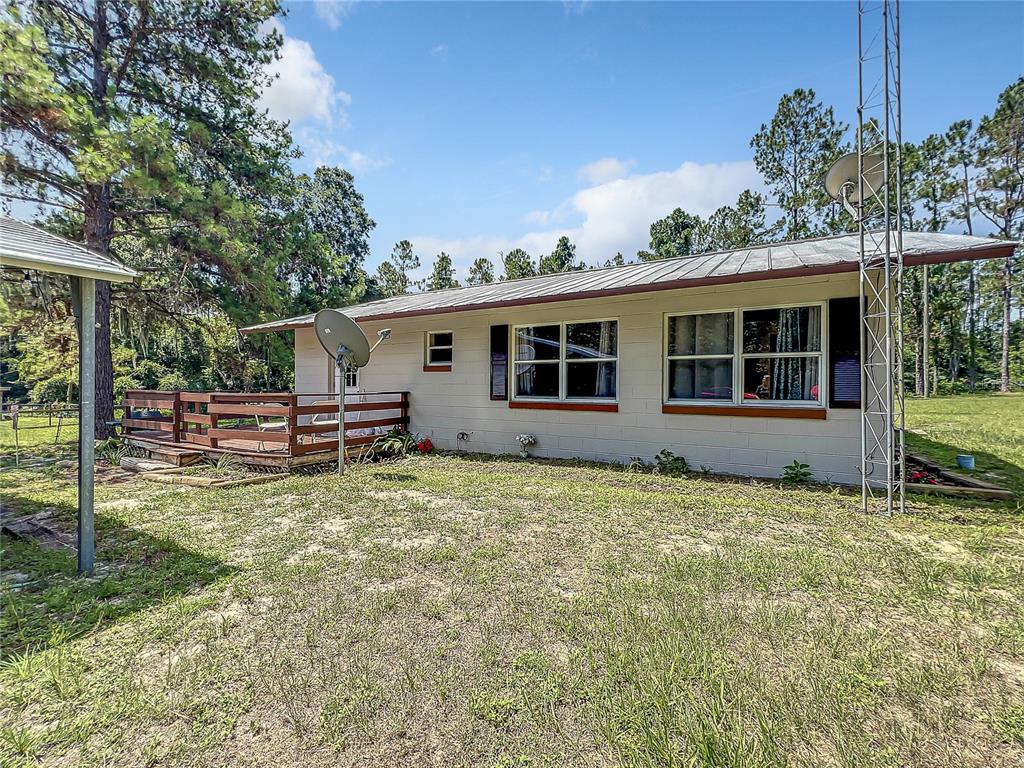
(26, 246)
(16, 261)
(998, 249)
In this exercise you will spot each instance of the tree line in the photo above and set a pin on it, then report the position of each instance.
(137, 128)
(971, 173)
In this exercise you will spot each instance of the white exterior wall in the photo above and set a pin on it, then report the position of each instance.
(442, 404)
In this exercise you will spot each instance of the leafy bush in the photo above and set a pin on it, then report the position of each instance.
(55, 389)
(797, 472)
(397, 442)
(667, 463)
(112, 449)
(172, 381)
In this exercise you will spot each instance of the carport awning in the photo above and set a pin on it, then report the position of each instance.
(24, 246)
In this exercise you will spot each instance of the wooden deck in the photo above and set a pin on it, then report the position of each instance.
(281, 429)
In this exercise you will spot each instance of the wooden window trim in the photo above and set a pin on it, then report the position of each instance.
(437, 369)
(563, 405)
(762, 411)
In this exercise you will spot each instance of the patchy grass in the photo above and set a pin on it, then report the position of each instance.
(460, 610)
(37, 438)
(989, 426)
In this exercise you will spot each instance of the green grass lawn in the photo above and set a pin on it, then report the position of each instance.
(989, 426)
(460, 610)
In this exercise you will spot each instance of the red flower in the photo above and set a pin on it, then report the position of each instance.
(425, 445)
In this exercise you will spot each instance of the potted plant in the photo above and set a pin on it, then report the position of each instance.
(525, 441)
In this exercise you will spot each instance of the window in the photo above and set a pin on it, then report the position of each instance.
(782, 353)
(352, 378)
(776, 356)
(439, 348)
(567, 361)
(700, 356)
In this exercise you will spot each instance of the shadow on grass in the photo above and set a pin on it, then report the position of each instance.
(44, 601)
(988, 468)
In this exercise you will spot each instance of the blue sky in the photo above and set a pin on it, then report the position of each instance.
(477, 127)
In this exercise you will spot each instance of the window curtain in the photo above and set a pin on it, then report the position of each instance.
(787, 383)
(606, 371)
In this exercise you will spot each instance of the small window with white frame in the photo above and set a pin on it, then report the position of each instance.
(745, 356)
(440, 347)
(566, 361)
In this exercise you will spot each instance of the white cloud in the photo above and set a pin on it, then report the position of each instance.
(332, 12)
(605, 169)
(302, 91)
(439, 51)
(324, 151)
(611, 217)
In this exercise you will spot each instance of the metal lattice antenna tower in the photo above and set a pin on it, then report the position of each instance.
(880, 209)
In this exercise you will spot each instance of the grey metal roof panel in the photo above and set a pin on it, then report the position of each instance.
(26, 246)
(816, 256)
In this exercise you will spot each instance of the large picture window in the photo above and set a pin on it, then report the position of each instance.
(566, 361)
(775, 355)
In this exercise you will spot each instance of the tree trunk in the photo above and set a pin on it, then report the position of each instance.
(972, 331)
(919, 378)
(1004, 366)
(99, 227)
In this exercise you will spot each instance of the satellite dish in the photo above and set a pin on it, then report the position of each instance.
(841, 179)
(337, 331)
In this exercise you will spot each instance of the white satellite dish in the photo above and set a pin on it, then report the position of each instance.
(346, 343)
(841, 180)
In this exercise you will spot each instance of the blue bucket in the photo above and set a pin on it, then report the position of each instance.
(965, 461)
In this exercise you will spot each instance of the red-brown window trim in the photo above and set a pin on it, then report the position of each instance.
(563, 405)
(762, 411)
(437, 369)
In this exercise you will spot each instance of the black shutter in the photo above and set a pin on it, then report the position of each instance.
(844, 353)
(499, 362)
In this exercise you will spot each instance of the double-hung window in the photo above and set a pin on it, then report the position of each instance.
(701, 353)
(566, 361)
(745, 356)
(439, 348)
(782, 353)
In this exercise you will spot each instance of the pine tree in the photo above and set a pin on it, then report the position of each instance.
(793, 152)
(1000, 194)
(481, 273)
(678, 234)
(140, 119)
(443, 275)
(517, 263)
(561, 259)
(393, 275)
(741, 225)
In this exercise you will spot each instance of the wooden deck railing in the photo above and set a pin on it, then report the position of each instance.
(275, 422)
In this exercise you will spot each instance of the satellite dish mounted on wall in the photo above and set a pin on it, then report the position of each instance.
(841, 180)
(346, 343)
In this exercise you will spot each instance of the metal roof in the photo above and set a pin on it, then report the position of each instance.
(25, 246)
(818, 256)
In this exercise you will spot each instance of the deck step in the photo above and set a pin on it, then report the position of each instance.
(169, 454)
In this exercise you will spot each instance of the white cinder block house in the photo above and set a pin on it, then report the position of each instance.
(741, 361)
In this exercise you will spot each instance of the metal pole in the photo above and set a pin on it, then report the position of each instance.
(925, 328)
(342, 366)
(864, 370)
(86, 424)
